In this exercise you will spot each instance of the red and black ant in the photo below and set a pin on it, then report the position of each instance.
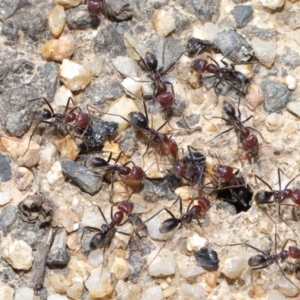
(224, 74)
(95, 7)
(192, 167)
(140, 122)
(278, 196)
(262, 261)
(132, 177)
(249, 141)
(160, 91)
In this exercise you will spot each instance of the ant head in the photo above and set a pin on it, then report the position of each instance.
(151, 61)
(199, 65)
(70, 117)
(126, 207)
(229, 109)
(137, 173)
(139, 120)
(166, 99)
(46, 114)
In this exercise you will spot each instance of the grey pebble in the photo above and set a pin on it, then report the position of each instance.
(207, 10)
(207, 259)
(243, 14)
(7, 217)
(155, 190)
(5, 168)
(82, 176)
(78, 18)
(264, 34)
(59, 255)
(234, 46)
(290, 58)
(275, 94)
(119, 10)
(294, 108)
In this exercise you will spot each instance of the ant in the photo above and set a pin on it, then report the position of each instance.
(140, 122)
(262, 261)
(224, 74)
(194, 212)
(192, 167)
(132, 177)
(278, 196)
(249, 141)
(227, 180)
(95, 7)
(196, 46)
(160, 91)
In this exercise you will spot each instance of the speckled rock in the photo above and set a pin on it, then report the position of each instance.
(265, 52)
(23, 178)
(161, 264)
(5, 173)
(18, 254)
(7, 217)
(127, 290)
(207, 11)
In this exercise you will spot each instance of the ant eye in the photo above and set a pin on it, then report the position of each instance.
(46, 113)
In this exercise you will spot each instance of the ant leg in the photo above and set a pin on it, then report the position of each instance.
(264, 183)
(286, 276)
(143, 61)
(213, 60)
(172, 89)
(169, 212)
(102, 214)
(248, 245)
(68, 103)
(47, 102)
(171, 66)
(220, 133)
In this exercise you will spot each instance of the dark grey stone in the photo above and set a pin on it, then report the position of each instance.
(5, 168)
(207, 259)
(173, 181)
(290, 58)
(78, 18)
(82, 176)
(119, 10)
(226, 206)
(10, 30)
(191, 121)
(234, 46)
(59, 255)
(155, 190)
(7, 218)
(109, 41)
(243, 14)
(263, 34)
(138, 249)
(207, 10)
(9, 7)
(275, 94)
(239, 1)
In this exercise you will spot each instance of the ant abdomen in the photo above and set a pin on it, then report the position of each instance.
(46, 114)
(205, 204)
(257, 260)
(82, 120)
(151, 61)
(168, 225)
(97, 241)
(263, 196)
(294, 252)
(138, 120)
(295, 197)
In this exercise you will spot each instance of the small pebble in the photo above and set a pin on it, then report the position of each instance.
(18, 254)
(92, 219)
(121, 107)
(100, 283)
(211, 30)
(119, 268)
(47, 157)
(207, 259)
(265, 52)
(24, 293)
(130, 42)
(126, 66)
(23, 179)
(254, 95)
(4, 198)
(60, 49)
(187, 193)
(64, 217)
(265, 225)
(211, 279)
(170, 291)
(273, 122)
(96, 257)
(194, 242)
(164, 22)
(127, 290)
(294, 108)
(164, 263)
(31, 157)
(122, 240)
(75, 76)
(59, 255)
(192, 292)
(57, 297)
(5, 173)
(275, 295)
(291, 82)
(6, 292)
(286, 288)
(233, 266)
(243, 14)
(68, 3)
(68, 148)
(75, 291)
(132, 86)
(191, 271)
(59, 283)
(7, 217)
(97, 66)
(61, 96)
(272, 4)
(55, 176)
(57, 20)
(153, 293)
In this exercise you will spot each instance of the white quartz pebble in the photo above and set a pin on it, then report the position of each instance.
(153, 293)
(162, 264)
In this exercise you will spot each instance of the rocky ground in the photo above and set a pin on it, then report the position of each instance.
(57, 50)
